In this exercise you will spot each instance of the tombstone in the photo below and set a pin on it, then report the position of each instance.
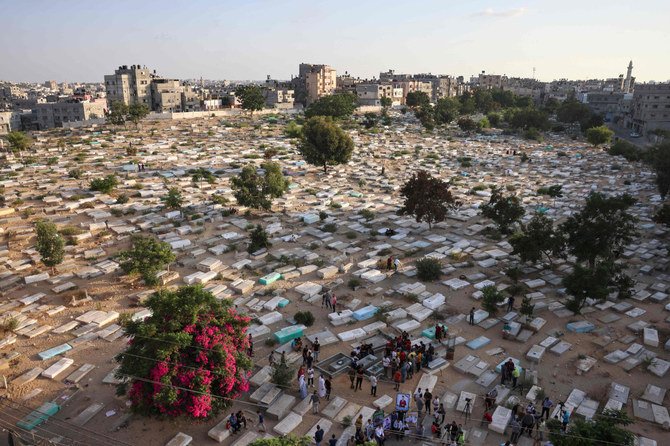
(280, 407)
(334, 407)
(501, 418)
(288, 424)
(59, 367)
(180, 439)
(86, 415)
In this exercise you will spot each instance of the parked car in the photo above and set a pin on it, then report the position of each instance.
(634, 135)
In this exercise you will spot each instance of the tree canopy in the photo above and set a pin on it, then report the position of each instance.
(258, 239)
(503, 210)
(50, 243)
(137, 112)
(18, 141)
(538, 240)
(104, 185)
(660, 162)
(118, 113)
(146, 257)
(336, 106)
(188, 358)
(605, 429)
(256, 191)
(251, 97)
(467, 124)
(417, 99)
(446, 110)
(427, 198)
(601, 228)
(599, 135)
(323, 143)
(289, 440)
(174, 198)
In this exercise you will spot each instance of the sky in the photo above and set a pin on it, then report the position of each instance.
(82, 40)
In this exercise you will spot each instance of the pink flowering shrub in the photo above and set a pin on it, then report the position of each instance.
(189, 358)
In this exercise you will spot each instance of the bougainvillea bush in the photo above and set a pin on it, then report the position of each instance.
(189, 358)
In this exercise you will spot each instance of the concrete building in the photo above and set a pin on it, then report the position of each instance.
(611, 105)
(442, 86)
(166, 95)
(279, 97)
(129, 85)
(54, 114)
(408, 86)
(10, 121)
(51, 85)
(318, 81)
(650, 109)
(372, 94)
(488, 81)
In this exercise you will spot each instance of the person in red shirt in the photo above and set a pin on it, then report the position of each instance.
(487, 419)
(397, 377)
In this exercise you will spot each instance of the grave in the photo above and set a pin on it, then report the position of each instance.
(181, 439)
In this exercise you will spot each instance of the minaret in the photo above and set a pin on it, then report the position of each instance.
(629, 73)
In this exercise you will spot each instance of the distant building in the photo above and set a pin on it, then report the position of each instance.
(129, 85)
(51, 85)
(317, 80)
(372, 94)
(412, 85)
(650, 109)
(608, 104)
(165, 95)
(10, 121)
(279, 97)
(54, 114)
(489, 81)
(442, 86)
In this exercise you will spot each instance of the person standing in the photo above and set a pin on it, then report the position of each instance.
(515, 376)
(389, 263)
(566, 419)
(333, 302)
(325, 299)
(322, 387)
(314, 399)
(373, 385)
(261, 421)
(310, 377)
(318, 435)
(510, 303)
(315, 349)
(472, 316)
(442, 413)
(397, 377)
(302, 385)
(359, 379)
(328, 386)
(386, 363)
(427, 397)
(352, 376)
(516, 430)
(546, 406)
(332, 441)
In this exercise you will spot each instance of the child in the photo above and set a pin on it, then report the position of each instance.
(310, 377)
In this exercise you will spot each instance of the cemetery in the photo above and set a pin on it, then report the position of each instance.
(329, 234)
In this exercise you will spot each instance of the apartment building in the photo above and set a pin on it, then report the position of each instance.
(650, 108)
(10, 121)
(489, 81)
(129, 85)
(166, 95)
(54, 114)
(318, 81)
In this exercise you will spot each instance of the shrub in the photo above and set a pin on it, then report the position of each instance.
(104, 185)
(323, 215)
(353, 283)
(428, 269)
(282, 374)
(533, 134)
(122, 199)
(625, 149)
(329, 227)
(491, 298)
(367, 214)
(351, 235)
(75, 173)
(305, 318)
(259, 239)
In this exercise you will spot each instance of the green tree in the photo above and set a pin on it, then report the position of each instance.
(118, 113)
(370, 120)
(467, 124)
(293, 130)
(446, 110)
(417, 99)
(660, 162)
(284, 441)
(275, 183)
(335, 106)
(147, 257)
(571, 111)
(494, 118)
(19, 142)
(662, 216)
(601, 228)
(137, 112)
(426, 116)
(386, 102)
(258, 239)
(189, 358)
(503, 210)
(625, 149)
(427, 198)
(200, 174)
(527, 118)
(104, 185)
(527, 307)
(554, 191)
(251, 97)
(174, 199)
(428, 269)
(605, 429)
(50, 244)
(599, 135)
(537, 240)
(491, 297)
(250, 189)
(324, 143)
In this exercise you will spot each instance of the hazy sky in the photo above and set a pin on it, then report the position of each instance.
(69, 40)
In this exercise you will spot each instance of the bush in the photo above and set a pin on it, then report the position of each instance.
(353, 283)
(305, 318)
(533, 134)
(625, 149)
(329, 227)
(428, 269)
(282, 374)
(104, 185)
(75, 173)
(491, 298)
(259, 240)
(323, 215)
(122, 199)
(367, 214)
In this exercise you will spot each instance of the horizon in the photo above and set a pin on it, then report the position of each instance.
(81, 42)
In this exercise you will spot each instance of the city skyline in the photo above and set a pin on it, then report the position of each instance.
(80, 42)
